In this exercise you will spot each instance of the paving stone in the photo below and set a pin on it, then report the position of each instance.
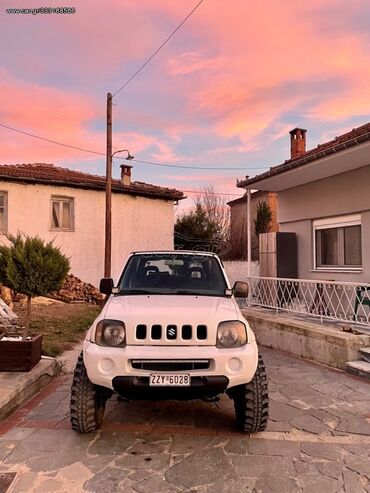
(52, 462)
(142, 447)
(153, 437)
(358, 464)
(236, 446)
(279, 426)
(48, 486)
(107, 481)
(304, 394)
(321, 450)
(6, 448)
(186, 444)
(331, 469)
(256, 466)
(310, 424)
(355, 426)
(201, 468)
(18, 434)
(241, 485)
(112, 443)
(331, 389)
(75, 472)
(283, 412)
(352, 482)
(357, 448)
(140, 474)
(158, 462)
(153, 484)
(276, 485)
(47, 442)
(320, 484)
(326, 417)
(24, 481)
(300, 466)
(274, 447)
(139, 462)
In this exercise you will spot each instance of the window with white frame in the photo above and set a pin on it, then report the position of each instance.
(337, 242)
(62, 213)
(3, 212)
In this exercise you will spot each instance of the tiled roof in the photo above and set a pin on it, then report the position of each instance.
(244, 198)
(48, 174)
(349, 139)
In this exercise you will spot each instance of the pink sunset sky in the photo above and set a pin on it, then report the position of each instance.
(223, 93)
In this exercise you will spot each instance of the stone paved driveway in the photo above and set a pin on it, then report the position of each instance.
(318, 440)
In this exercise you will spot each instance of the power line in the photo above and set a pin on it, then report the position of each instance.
(116, 157)
(209, 193)
(51, 141)
(193, 167)
(155, 53)
(151, 163)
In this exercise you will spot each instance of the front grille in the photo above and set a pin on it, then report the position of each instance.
(171, 332)
(170, 365)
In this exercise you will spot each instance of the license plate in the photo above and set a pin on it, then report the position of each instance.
(169, 380)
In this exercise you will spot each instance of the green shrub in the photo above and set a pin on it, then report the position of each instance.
(32, 267)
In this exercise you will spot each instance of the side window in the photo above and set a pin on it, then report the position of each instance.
(3, 212)
(338, 242)
(62, 213)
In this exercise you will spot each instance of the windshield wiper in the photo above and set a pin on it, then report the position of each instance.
(136, 291)
(184, 291)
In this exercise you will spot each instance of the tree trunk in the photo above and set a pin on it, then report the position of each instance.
(28, 318)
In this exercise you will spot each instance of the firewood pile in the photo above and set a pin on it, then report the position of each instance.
(76, 291)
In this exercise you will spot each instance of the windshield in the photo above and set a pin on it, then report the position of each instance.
(173, 274)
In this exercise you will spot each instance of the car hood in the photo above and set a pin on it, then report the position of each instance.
(167, 310)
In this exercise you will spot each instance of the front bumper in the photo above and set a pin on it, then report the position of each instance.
(104, 364)
(137, 387)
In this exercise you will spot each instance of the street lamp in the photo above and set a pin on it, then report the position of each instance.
(108, 208)
(129, 156)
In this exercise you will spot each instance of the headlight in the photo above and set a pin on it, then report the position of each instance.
(231, 334)
(110, 333)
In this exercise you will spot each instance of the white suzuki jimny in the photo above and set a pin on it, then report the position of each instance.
(170, 329)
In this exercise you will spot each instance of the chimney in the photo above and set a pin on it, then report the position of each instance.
(125, 174)
(297, 142)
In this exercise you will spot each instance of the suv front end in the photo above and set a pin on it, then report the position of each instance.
(179, 343)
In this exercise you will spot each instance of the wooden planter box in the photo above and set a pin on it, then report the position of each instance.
(20, 355)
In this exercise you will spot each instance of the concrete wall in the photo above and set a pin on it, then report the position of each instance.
(343, 194)
(321, 343)
(237, 270)
(138, 223)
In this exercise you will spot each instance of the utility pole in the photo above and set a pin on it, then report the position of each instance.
(108, 192)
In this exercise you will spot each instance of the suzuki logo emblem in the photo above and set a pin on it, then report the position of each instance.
(171, 332)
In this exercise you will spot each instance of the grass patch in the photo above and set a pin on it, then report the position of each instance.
(62, 325)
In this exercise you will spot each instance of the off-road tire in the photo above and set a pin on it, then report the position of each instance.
(251, 402)
(87, 401)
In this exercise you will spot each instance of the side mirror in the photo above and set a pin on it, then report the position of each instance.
(106, 285)
(240, 289)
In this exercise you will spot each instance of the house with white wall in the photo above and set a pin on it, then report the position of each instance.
(323, 209)
(68, 207)
(324, 198)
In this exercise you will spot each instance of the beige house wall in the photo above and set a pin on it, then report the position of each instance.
(238, 223)
(343, 194)
(138, 223)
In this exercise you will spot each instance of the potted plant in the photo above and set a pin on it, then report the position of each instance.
(30, 267)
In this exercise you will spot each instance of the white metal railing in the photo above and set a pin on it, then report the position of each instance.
(334, 300)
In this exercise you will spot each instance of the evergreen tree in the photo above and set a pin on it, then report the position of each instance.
(263, 218)
(32, 267)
